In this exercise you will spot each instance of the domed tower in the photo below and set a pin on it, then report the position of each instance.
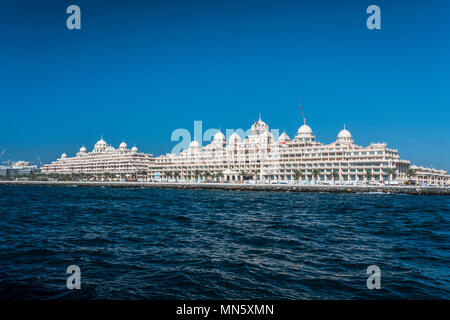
(258, 127)
(304, 133)
(234, 138)
(82, 151)
(123, 146)
(345, 137)
(219, 139)
(194, 146)
(259, 134)
(100, 146)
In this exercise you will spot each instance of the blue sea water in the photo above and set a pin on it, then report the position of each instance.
(199, 244)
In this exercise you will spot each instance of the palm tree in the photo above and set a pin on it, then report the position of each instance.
(410, 173)
(298, 175)
(315, 174)
(176, 175)
(207, 174)
(168, 175)
(197, 174)
(335, 175)
(143, 173)
(368, 176)
(219, 175)
(392, 174)
(245, 175)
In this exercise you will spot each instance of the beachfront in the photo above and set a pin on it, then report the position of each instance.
(397, 189)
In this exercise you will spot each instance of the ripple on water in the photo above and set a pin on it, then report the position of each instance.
(191, 244)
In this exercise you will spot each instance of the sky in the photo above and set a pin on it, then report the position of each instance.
(138, 70)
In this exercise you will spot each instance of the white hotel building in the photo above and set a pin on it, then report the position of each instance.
(102, 159)
(262, 157)
(259, 156)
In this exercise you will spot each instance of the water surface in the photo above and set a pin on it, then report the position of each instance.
(211, 244)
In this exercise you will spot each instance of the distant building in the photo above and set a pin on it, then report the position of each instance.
(429, 176)
(102, 159)
(261, 156)
(18, 168)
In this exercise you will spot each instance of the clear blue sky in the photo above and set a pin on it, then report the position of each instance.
(140, 69)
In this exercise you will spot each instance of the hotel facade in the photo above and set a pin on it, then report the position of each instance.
(257, 156)
(104, 158)
(262, 157)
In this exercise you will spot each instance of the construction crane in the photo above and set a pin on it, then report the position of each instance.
(301, 110)
(8, 162)
(39, 159)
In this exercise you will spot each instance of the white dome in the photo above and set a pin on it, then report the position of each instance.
(110, 149)
(83, 149)
(100, 146)
(194, 144)
(101, 143)
(219, 136)
(345, 134)
(259, 127)
(304, 129)
(63, 156)
(123, 145)
(305, 134)
(134, 149)
(234, 138)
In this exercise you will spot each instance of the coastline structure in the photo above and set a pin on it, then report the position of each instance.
(263, 157)
(18, 168)
(104, 158)
(369, 189)
(260, 156)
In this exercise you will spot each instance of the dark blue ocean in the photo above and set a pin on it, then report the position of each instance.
(198, 244)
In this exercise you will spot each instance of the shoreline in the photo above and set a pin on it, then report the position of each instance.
(394, 189)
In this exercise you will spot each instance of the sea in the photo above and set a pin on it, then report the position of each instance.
(144, 243)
